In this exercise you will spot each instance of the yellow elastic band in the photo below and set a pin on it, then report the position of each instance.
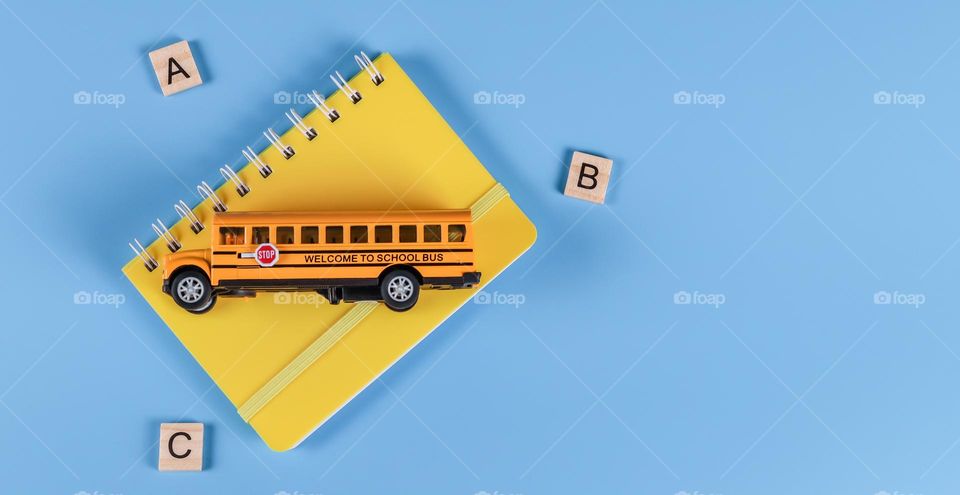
(254, 404)
(488, 201)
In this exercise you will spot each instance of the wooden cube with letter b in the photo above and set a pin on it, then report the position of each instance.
(175, 67)
(588, 177)
(181, 447)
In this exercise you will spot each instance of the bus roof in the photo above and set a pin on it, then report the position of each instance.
(345, 217)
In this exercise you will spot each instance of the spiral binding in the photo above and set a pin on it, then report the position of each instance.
(208, 192)
(242, 188)
(297, 121)
(230, 175)
(252, 157)
(148, 261)
(185, 212)
(320, 103)
(366, 64)
(286, 151)
(344, 86)
(162, 231)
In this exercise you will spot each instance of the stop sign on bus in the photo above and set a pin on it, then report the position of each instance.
(267, 254)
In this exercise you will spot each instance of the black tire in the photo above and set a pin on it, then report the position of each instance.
(400, 290)
(191, 291)
(213, 301)
(334, 295)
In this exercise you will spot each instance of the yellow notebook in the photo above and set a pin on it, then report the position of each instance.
(289, 362)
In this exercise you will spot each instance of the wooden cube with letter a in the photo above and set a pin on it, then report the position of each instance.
(181, 447)
(176, 70)
(588, 177)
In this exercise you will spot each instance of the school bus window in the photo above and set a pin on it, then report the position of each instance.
(358, 234)
(456, 232)
(261, 235)
(285, 235)
(231, 235)
(334, 235)
(408, 233)
(431, 233)
(383, 233)
(309, 235)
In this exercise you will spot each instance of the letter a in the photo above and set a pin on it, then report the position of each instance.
(171, 72)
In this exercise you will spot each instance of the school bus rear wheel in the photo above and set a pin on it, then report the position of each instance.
(191, 291)
(400, 290)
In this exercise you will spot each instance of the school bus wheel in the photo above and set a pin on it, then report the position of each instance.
(191, 291)
(208, 307)
(399, 289)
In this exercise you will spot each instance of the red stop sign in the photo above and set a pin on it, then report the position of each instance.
(267, 254)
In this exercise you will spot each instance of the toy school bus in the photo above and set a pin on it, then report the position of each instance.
(344, 256)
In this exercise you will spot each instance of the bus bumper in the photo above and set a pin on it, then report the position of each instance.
(469, 279)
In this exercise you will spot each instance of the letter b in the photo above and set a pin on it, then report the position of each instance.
(591, 177)
(588, 177)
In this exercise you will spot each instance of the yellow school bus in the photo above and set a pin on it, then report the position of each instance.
(344, 256)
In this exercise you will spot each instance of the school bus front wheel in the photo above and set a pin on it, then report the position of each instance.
(191, 290)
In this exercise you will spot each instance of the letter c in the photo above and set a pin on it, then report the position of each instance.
(170, 444)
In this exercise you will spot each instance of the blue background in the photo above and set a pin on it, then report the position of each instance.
(798, 202)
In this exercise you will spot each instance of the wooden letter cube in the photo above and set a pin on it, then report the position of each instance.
(176, 70)
(181, 447)
(588, 178)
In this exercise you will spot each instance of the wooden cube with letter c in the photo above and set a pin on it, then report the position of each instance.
(588, 177)
(181, 447)
(176, 70)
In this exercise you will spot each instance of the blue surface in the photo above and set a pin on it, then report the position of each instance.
(795, 203)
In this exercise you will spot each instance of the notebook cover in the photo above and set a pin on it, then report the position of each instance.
(390, 151)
